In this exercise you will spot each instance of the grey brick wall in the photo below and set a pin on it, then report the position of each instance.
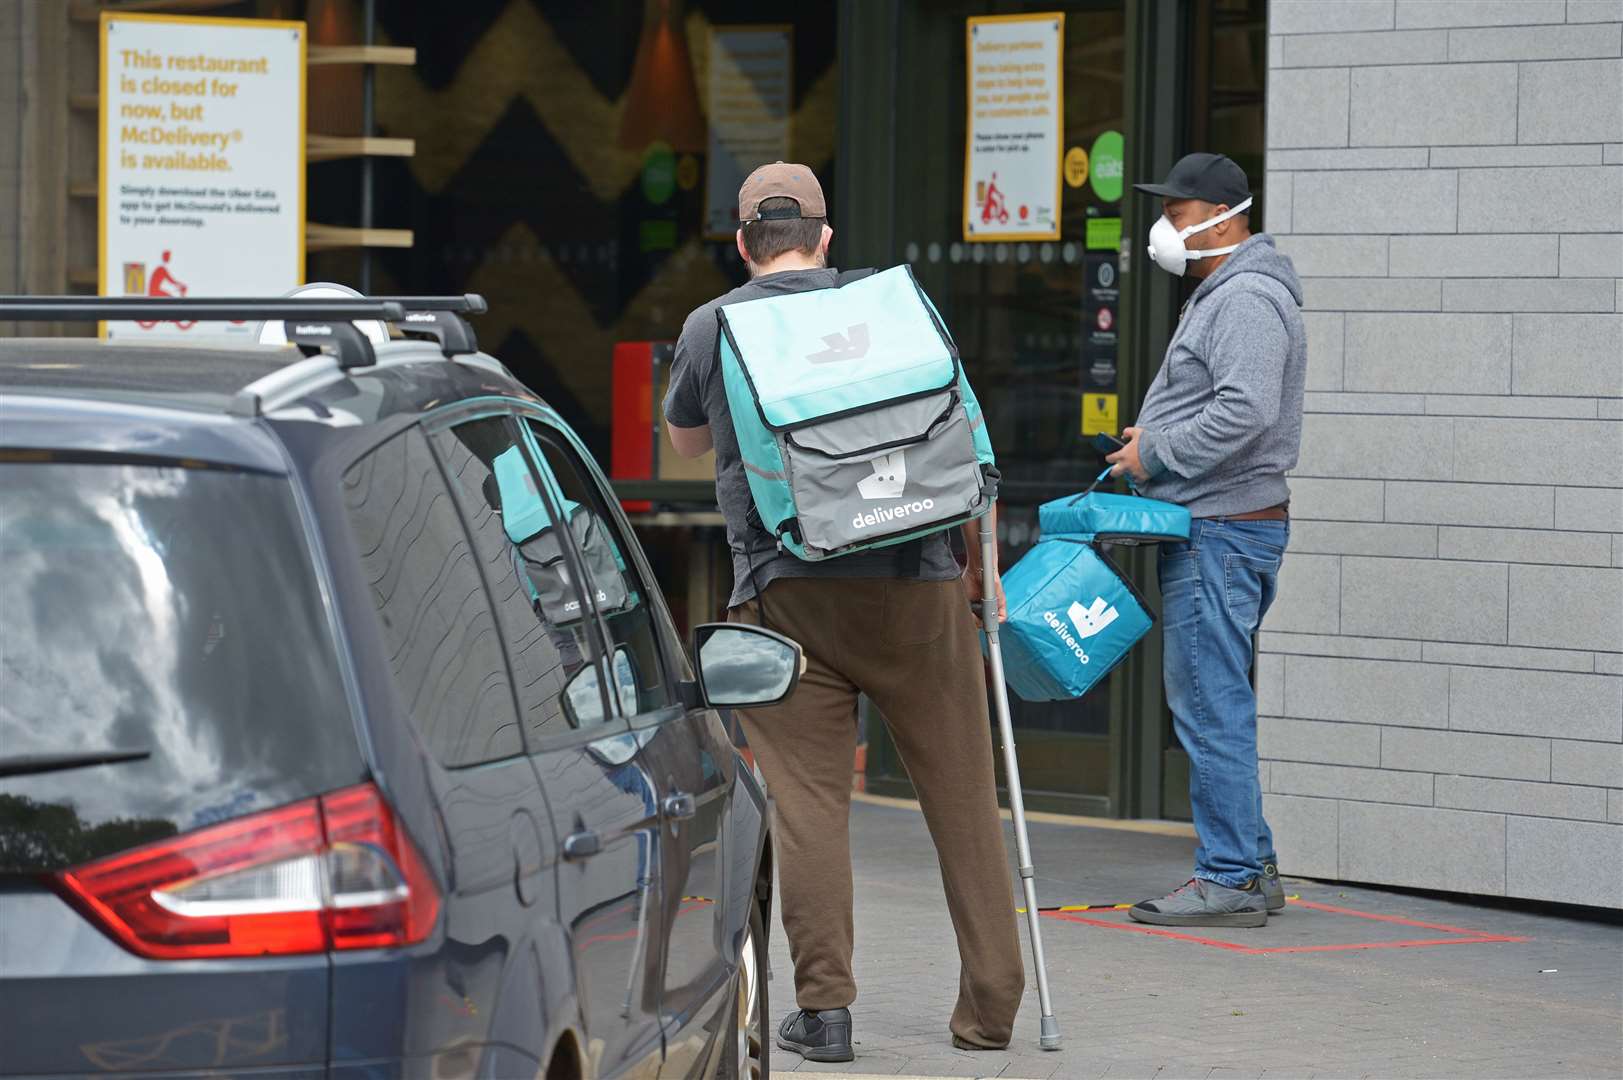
(1441, 680)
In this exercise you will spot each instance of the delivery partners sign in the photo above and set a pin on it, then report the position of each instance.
(202, 162)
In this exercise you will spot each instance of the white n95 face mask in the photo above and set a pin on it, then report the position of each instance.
(1166, 243)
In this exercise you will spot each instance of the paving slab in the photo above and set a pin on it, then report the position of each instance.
(1347, 982)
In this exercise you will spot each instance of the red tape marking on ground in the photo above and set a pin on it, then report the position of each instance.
(1460, 936)
(1152, 930)
(1388, 945)
(1398, 919)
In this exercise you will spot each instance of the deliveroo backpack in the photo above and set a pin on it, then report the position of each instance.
(537, 547)
(856, 423)
(1073, 615)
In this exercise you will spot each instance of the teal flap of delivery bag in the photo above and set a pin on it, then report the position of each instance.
(1113, 517)
(523, 513)
(816, 354)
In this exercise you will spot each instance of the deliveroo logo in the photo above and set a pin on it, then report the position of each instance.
(1088, 621)
(887, 482)
(851, 345)
(889, 478)
(1092, 620)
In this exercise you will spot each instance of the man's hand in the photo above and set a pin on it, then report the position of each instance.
(975, 589)
(1126, 460)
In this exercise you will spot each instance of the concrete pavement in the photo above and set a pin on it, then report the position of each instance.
(1348, 982)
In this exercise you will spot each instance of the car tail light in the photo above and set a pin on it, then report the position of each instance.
(335, 872)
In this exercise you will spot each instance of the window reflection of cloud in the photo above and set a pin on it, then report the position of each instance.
(585, 700)
(108, 664)
(114, 651)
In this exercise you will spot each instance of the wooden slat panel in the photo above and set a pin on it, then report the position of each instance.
(330, 237)
(316, 238)
(328, 147)
(43, 251)
(399, 55)
(83, 189)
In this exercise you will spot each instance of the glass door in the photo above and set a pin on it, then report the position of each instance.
(1035, 321)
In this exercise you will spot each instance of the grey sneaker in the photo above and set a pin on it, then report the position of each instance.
(1272, 891)
(1205, 903)
(817, 1036)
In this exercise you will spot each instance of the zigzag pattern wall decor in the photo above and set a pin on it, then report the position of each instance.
(522, 190)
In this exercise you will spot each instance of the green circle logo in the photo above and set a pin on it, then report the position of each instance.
(659, 173)
(1106, 175)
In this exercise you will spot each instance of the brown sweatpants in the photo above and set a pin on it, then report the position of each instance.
(912, 647)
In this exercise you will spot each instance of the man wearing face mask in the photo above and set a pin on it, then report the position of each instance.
(1219, 428)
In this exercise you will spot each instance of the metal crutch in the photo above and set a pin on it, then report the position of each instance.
(1048, 1038)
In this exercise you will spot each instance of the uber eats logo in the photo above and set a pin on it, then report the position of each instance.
(888, 482)
(1088, 621)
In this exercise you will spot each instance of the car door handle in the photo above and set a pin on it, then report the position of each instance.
(679, 807)
(582, 845)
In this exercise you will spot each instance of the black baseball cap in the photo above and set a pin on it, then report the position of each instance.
(1211, 178)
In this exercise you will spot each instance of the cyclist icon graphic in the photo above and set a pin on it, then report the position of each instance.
(994, 208)
(164, 283)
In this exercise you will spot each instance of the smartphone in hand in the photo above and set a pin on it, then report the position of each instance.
(1107, 444)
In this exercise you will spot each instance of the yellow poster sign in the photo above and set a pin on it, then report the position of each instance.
(1013, 149)
(201, 187)
(1099, 414)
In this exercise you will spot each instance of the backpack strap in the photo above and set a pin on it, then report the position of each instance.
(909, 559)
(846, 277)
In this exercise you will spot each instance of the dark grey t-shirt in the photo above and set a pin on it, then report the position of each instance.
(697, 397)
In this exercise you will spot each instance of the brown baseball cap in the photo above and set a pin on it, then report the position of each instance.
(781, 180)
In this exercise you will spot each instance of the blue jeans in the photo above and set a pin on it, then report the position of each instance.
(1215, 590)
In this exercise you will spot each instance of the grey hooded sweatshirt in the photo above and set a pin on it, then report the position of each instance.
(1222, 422)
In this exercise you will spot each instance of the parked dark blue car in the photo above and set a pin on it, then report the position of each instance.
(344, 731)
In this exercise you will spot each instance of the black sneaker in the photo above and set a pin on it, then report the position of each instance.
(819, 1036)
(1272, 891)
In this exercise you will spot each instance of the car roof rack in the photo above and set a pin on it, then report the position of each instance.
(439, 317)
(198, 308)
(315, 325)
(312, 325)
(466, 304)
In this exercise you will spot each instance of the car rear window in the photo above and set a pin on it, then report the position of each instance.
(171, 612)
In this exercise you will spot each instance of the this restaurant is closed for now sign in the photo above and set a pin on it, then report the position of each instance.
(202, 163)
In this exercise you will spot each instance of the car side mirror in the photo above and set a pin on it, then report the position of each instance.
(745, 667)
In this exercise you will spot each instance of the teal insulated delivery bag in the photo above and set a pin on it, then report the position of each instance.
(1073, 615)
(856, 423)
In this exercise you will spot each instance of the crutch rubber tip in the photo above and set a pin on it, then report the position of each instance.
(1049, 1038)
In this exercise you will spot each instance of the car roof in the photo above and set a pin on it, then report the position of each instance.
(173, 375)
(85, 394)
